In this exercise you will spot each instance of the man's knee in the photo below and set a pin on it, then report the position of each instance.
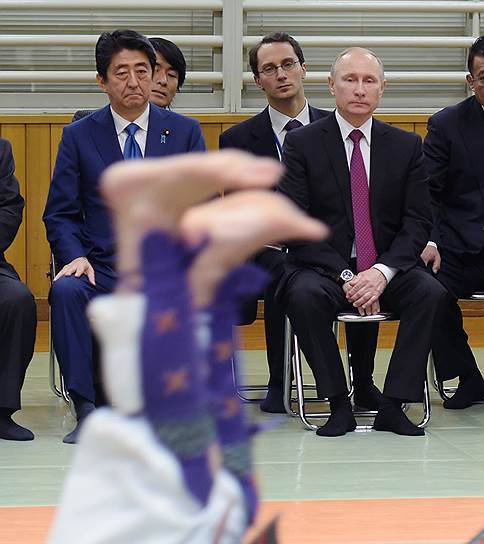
(308, 297)
(17, 298)
(68, 290)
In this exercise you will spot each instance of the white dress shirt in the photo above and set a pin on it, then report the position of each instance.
(279, 121)
(365, 146)
(141, 134)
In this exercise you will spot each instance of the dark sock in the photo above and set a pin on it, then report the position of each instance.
(9, 430)
(173, 368)
(469, 391)
(367, 396)
(232, 427)
(391, 418)
(83, 407)
(341, 420)
(274, 401)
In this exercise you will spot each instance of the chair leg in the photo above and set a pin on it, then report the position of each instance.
(439, 386)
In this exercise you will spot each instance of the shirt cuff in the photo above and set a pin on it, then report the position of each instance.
(430, 243)
(387, 271)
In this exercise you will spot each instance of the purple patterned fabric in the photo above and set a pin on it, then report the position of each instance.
(232, 426)
(360, 198)
(173, 370)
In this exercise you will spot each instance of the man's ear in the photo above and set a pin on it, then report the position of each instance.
(304, 68)
(101, 82)
(331, 85)
(470, 81)
(257, 82)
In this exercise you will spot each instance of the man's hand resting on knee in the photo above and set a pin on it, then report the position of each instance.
(78, 267)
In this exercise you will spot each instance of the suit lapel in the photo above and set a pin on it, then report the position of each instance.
(160, 128)
(103, 133)
(379, 155)
(333, 143)
(262, 136)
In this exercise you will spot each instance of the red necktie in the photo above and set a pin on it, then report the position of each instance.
(360, 200)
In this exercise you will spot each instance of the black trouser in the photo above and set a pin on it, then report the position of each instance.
(18, 322)
(312, 302)
(461, 275)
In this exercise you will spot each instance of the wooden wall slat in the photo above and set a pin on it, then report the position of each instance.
(17, 253)
(38, 168)
(55, 138)
(211, 132)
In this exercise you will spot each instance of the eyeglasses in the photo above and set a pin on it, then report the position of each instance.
(478, 80)
(287, 66)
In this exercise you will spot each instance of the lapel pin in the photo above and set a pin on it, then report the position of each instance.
(164, 135)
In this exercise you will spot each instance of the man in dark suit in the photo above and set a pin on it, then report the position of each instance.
(279, 69)
(18, 317)
(77, 222)
(455, 164)
(366, 179)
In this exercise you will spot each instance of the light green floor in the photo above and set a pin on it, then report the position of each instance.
(291, 463)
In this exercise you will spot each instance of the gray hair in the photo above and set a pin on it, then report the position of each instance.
(349, 50)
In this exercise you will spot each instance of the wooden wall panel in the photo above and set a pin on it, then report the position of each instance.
(55, 138)
(38, 167)
(211, 133)
(17, 253)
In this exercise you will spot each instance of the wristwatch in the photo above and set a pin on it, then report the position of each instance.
(345, 276)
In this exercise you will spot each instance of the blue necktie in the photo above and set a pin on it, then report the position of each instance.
(131, 148)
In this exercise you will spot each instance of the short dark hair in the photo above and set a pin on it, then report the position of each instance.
(279, 37)
(111, 43)
(476, 50)
(173, 56)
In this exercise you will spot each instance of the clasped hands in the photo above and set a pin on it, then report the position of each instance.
(364, 291)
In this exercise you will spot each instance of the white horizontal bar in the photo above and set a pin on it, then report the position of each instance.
(84, 39)
(371, 41)
(58, 76)
(117, 5)
(392, 77)
(382, 6)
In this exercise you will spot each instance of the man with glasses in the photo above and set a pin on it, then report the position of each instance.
(279, 69)
(454, 159)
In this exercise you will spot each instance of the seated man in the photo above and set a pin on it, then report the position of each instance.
(169, 74)
(366, 179)
(18, 315)
(452, 152)
(170, 462)
(78, 226)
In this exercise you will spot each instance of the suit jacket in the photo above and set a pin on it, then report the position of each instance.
(317, 179)
(11, 206)
(75, 216)
(454, 158)
(256, 135)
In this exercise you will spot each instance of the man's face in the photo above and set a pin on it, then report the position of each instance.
(165, 82)
(476, 79)
(128, 83)
(282, 84)
(357, 86)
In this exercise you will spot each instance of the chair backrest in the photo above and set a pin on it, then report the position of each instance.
(79, 114)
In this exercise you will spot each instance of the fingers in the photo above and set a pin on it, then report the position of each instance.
(436, 265)
(78, 267)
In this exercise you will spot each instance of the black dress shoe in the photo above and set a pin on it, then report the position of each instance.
(367, 397)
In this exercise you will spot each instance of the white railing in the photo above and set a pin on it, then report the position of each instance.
(229, 39)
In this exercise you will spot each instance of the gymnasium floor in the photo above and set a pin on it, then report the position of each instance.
(366, 487)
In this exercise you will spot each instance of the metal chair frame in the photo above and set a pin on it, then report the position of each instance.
(446, 391)
(59, 390)
(295, 362)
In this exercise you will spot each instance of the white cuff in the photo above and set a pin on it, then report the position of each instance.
(430, 243)
(387, 271)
